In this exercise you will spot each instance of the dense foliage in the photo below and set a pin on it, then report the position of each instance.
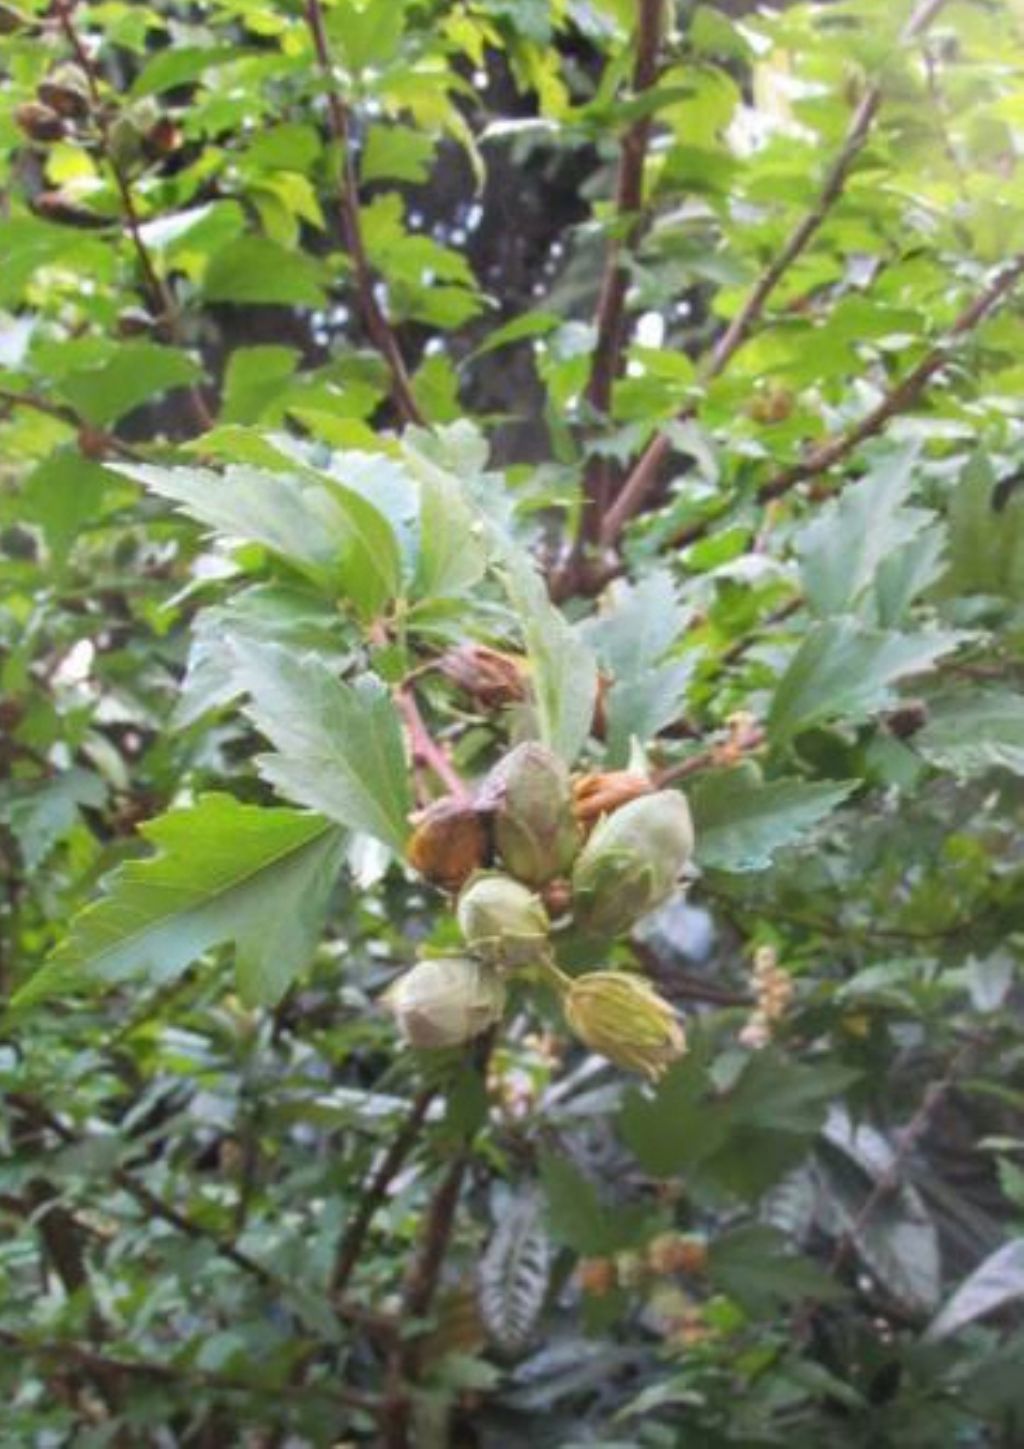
(385, 384)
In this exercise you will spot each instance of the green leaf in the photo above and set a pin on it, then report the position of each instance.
(577, 1217)
(452, 542)
(224, 872)
(971, 733)
(994, 1283)
(130, 376)
(563, 669)
(986, 542)
(630, 639)
(755, 1266)
(329, 531)
(741, 820)
(843, 548)
(397, 153)
(44, 812)
(340, 747)
(256, 269)
(843, 669)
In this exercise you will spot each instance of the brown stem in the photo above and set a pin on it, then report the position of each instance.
(900, 397)
(158, 287)
(425, 749)
(351, 1243)
(628, 225)
(377, 325)
(644, 477)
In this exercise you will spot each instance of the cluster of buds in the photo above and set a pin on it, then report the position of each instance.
(62, 100)
(665, 1256)
(528, 847)
(773, 989)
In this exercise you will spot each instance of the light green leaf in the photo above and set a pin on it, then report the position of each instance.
(741, 820)
(452, 542)
(41, 813)
(843, 669)
(329, 531)
(130, 376)
(340, 747)
(224, 872)
(986, 542)
(256, 269)
(973, 732)
(630, 638)
(842, 549)
(563, 668)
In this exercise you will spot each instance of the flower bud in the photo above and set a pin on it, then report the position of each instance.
(623, 1018)
(449, 843)
(631, 862)
(446, 1001)
(66, 90)
(672, 1252)
(534, 826)
(502, 921)
(596, 1276)
(39, 122)
(492, 678)
(597, 795)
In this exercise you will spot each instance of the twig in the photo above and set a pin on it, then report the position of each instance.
(66, 1351)
(900, 397)
(351, 1242)
(425, 749)
(158, 287)
(744, 741)
(615, 281)
(644, 476)
(377, 325)
(64, 414)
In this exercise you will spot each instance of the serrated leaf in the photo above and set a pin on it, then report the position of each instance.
(995, 1282)
(741, 820)
(134, 373)
(577, 1217)
(842, 549)
(754, 1266)
(41, 813)
(452, 545)
(330, 532)
(630, 639)
(986, 542)
(340, 748)
(562, 667)
(224, 872)
(514, 1274)
(973, 732)
(844, 670)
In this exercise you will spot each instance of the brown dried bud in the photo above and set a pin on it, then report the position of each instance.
(675, 1253)
(58, 207)
(451, 840)
(163, 138)
(600, 794)
(66, 90)
(39, 122)
(492, 678)
(12, 20)
(596, 1276)
(93, 442)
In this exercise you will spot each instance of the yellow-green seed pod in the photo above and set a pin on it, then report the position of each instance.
(631, 862)
(446, 1001)
(534, 826)
(623, 1018)
(502, 921)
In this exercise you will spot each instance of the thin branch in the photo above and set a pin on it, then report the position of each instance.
(644, 477)
(351, 1243)
(628, 225)
(158, 287)
(377, 325)
(901, 397)
(65, 1351)
(745, 739)
(425, 749)
(62, 413)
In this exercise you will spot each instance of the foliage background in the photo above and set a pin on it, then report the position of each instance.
(704, 316)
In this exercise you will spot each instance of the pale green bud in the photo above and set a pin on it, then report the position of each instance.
(446, 1001)
(502, 921)
(534, 825)
(623, 1018)
(631, 862)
